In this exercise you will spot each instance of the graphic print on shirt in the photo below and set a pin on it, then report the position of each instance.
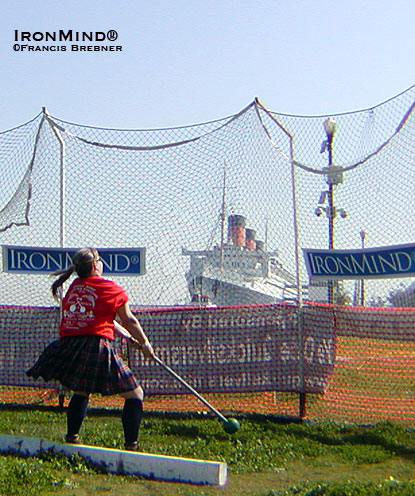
(80, 306)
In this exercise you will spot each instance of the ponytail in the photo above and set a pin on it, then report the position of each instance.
(64, 275)
(82, 264)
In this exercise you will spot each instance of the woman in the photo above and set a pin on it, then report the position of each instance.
(83, 358)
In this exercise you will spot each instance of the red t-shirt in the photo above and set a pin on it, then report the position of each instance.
(89, 307)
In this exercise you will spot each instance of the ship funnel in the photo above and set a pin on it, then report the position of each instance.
(250, 243)
(260, 245)
(236, 230)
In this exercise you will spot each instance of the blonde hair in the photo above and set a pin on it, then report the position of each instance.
(82, 263)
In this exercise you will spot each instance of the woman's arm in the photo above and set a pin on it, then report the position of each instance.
(122, 331)
(131, 327)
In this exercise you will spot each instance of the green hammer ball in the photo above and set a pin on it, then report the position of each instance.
(231, 425)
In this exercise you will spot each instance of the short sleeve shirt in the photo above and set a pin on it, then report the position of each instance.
(90, 306)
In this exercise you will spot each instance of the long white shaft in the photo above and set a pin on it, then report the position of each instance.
(174, 374)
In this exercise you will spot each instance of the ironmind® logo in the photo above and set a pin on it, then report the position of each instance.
(44, 41)
(374, 263)
(42, 260)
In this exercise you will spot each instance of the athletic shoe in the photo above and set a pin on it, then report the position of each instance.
(72, 439)
(131, 447)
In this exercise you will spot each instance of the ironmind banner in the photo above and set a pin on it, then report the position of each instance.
(370, 263)
(36, 260)
(228, 349)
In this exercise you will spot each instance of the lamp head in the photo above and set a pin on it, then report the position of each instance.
(330, 126)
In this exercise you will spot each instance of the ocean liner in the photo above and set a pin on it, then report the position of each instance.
(239, 271)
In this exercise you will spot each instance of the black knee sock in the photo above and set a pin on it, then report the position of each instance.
(76, 413)
(131, 418)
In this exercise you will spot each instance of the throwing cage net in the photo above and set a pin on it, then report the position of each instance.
(173, 192)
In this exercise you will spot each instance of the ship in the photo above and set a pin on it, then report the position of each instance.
(239, 271)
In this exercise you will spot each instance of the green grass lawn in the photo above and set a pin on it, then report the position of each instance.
(266, 457)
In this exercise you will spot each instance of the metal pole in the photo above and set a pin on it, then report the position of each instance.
(362, 282)
(302, 394)
(190, 388)
(293, 193)
(331, 213)
(62, 213)
(330, 128)
(295, 223)
(61, 397)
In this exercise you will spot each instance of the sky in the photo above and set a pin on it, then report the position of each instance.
(190, 61)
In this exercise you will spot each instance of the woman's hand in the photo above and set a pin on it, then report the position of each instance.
(145, 348)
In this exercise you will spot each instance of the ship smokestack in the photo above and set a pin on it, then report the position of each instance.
(236, 229)
(250, 243)
(260, 245)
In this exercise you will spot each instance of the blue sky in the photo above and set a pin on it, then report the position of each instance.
(190, 61)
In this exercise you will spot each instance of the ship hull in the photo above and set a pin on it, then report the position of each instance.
(223, 293)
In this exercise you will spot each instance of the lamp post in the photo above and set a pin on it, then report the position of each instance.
(330, 128)
(334, 176)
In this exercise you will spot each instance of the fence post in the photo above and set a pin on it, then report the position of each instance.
(302, 395)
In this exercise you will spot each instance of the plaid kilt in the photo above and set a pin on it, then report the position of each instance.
(86, 364)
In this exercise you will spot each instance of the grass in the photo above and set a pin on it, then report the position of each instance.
(266, 457)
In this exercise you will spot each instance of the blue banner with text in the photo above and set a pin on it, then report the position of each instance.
(370, 263)
(35, 260)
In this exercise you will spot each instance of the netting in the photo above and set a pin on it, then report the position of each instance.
(173, 192)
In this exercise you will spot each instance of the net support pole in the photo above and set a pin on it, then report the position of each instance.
(300, 317)
(62, 210)
(302, 400)
(62, 179)
(293, 192)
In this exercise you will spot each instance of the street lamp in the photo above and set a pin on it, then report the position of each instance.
(334, 176)
(330, 128)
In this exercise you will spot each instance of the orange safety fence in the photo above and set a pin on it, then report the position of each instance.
(319, 361)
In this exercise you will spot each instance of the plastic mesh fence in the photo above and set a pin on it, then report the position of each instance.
(352, 364)
(171, 191)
